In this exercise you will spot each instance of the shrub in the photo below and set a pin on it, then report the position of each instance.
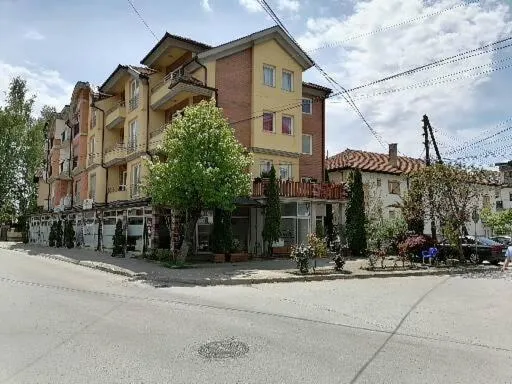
(318, 246)
(69, 234)
(119, 240)
(355, 222)
(58, 234)
(52, 236)
(413, 245)
(320, 231)
(387, 235)
(302, 254)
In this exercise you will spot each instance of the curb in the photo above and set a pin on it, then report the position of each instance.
(165, 283)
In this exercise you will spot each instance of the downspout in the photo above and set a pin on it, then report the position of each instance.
(323, 139)
(206, 80)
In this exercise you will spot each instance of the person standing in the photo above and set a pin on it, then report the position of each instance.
(508, 258)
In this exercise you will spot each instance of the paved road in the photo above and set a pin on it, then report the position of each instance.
(62, 323)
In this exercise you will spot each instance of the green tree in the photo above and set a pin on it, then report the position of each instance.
(413, 207)
(272, 226)
(69, 234)
(21, 151)
(53, 234)
(455, 194)
(58, 234)
(119, 240)
(500, 222)
(206, 167)
(355, 227)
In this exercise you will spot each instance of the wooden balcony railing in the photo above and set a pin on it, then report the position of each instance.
(300, 189)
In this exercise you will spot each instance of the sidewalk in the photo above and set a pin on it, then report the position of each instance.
(252, 272)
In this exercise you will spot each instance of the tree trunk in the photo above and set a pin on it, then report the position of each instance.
(190, 228)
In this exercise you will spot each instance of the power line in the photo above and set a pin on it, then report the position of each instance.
(142, 19)
(266, 7)
(388, 27)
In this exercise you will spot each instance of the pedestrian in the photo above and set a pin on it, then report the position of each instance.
(508, 258)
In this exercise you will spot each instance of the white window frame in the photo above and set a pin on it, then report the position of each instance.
(267, 66)
(135, 181)
(288, 167)
(310, 106)
(134, 88)
(285, 71)
(291, 125)
(133, 133)
(122, 181)
(92, 146)
(273, 122)
(310, 144)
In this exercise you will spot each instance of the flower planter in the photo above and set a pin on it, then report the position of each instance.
(239, 257)
(219, 258)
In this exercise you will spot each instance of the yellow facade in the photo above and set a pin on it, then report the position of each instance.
(271, 99)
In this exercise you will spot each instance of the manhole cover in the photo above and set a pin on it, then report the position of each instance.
(224, 349)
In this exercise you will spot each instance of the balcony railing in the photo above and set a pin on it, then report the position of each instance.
(115, 154)
(158, 131)
(116, 188)
(132, 146)
(134, 102)
(174, 77)
(92, 159)
(135, 190)
(305, 190)
(119, 104)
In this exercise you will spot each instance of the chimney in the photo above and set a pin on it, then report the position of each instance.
(393, 155)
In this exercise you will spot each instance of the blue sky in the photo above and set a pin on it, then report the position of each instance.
(54, 43)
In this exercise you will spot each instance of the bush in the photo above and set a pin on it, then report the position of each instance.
(413, 245)
(320, 231)
(59, 234)
(119, 240)
(318, 246)
(387, 235)
(69, 234)
(53, 234)
(302, 254)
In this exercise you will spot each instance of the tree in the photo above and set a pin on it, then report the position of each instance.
(69, 234)
(355, 227)
(500, 222)
(456, 192)
(206, 167)
(222, 233)
(58, 234)
(329, 218)
(119, 240)
(21, 151)
(413, 208)
(53, 234)
(272, 226)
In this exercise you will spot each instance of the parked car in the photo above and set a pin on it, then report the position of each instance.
(475, 250)
(505, 240)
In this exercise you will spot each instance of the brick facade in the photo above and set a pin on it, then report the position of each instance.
(233, 78)
(314, 124)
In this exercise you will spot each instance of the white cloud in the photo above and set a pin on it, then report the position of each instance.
(397, 116)
(33, 35)
(288, 5)
(205, 4)
(251, 5)
(47, 85)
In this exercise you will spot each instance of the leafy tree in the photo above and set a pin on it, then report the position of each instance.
(206, 167)
(119, 240)
(58, 234)
(69, 234)
(222, 233)
(21, 151)
(53, 234)
(355, 227)
(455, 194)
(500, 222)
(272, 226)
(329, 218)
(413, 208)
(387, 234)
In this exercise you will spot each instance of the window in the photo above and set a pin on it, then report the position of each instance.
(265, 167)
(394, 187)
(307, 106)
(92, 187)
(287, 125)
(78, 187)
(134, 94)
(510, 196)
(285, 171)
(269, 75)
(93, 119)
(92, 146)
(287, 81)
(392, 215)
(268, 122)
(307, 144)
(379, 183)
(499, 205)
(122, 181)
(135, 180)
(486, 201)
(134, 133)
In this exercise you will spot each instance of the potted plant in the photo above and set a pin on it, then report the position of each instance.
(237, 254)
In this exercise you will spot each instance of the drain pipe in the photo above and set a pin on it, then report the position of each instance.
(206, 80)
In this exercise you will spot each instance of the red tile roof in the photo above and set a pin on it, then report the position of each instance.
(372, 162)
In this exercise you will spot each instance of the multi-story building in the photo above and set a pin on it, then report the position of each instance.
(257, 80)
(504, 199)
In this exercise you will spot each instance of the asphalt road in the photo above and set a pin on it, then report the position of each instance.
(62, 323)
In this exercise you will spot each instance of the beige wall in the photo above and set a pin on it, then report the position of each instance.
(271, 99)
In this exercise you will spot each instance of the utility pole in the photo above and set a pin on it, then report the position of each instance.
(426, 125)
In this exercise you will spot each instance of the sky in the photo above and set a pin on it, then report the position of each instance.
(55, 43)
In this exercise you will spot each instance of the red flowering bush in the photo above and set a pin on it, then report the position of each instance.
(413, 245)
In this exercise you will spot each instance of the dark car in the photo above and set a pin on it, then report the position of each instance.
(475, 251)
(505, 240)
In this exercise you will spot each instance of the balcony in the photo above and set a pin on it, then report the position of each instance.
(176, 86)
(93, 159)
(115, 116)
(134, 145)
(156, 137)
(115, 155)
(303, 190)
(64, 171)
(135, 191)
(117, 193)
